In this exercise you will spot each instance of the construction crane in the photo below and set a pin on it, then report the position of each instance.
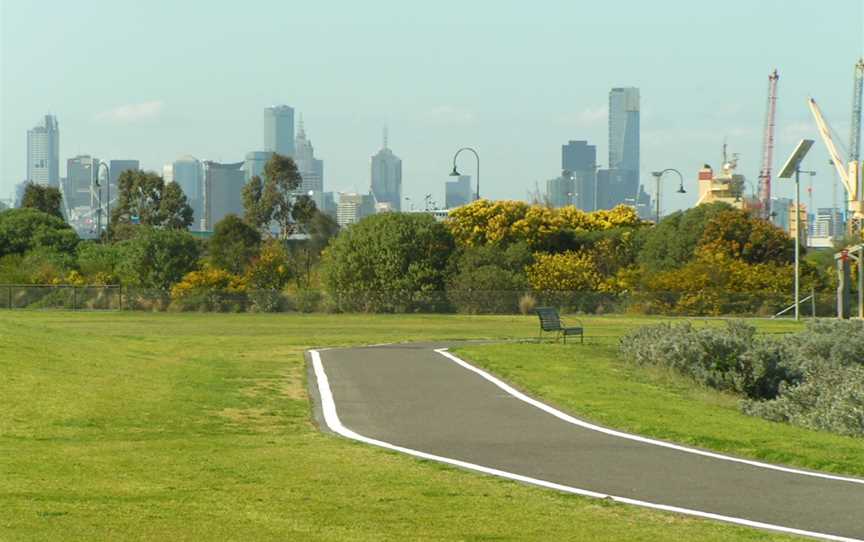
(857, 91)
(768, 147)
(849, 171)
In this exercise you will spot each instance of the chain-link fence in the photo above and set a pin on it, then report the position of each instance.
(699, 303)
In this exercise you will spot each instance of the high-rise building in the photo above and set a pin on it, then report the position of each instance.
(189, 175)
(387, 177)
(580, 159)
(354, 207)
(168, 173)
(617, 187)
(624, 129)
(279, 130)
(81, 174)
(254, 164)
(43, 153)
(223, 192)
(310, 168)
(457, 191)
(561, 191)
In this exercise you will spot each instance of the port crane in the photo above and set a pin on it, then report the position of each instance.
(768, 148)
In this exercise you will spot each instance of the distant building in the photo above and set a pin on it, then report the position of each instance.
(255, 163)
(352, 208)
(279, 130)
(580, 159)
(793, 225)
(439, 215)
(326, 202)
(561, 191)
(223, 192)
(458, 192)
(168, 173)
(617, 187)
(827, 222)
(781, 210)
(624, 129)
(43, 153)
(81, 174)
(310, 168)
(189, 175)
(387, 177)
(20, 188)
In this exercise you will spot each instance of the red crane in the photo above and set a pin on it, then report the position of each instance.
(768, 148)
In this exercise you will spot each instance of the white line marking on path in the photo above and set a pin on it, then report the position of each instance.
(331, 418)
(581, 423)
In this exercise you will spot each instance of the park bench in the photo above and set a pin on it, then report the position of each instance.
(551, 322)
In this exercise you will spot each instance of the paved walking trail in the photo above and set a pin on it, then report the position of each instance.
(421, 400)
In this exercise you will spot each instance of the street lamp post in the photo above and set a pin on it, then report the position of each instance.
(657, 176)
(455, 172)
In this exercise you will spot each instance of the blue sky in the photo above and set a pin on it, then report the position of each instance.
(154, 80)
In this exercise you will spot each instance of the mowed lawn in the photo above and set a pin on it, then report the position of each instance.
(136, 426)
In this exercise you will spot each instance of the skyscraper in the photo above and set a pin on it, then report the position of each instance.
(43, 153)
(580, 159)
(457, 191)
(81, 173)
(255, 163)
(279, 130)
(223, 192)
(310, 168)
(115, 169)
(190, 176)
(387, 177)
(624, 128)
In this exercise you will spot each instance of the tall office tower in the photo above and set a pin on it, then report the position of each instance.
(580, 159)
(279, 130)
(81, 174)
(457, 191)
(255, 163)
(189, 174)
(117, 168)
(624, 128)
(387, 177)
(309, 167)
(43, 153)
(223, 192)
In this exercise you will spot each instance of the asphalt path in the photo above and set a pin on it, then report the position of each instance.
(421, 400)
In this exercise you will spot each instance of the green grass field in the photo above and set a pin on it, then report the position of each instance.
(142, 426)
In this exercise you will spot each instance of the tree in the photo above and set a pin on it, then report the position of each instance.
(23, 230)
(390, 262)
(320, 229)
(146, 199)
(43, 198)
(257, 210)
(157, 258)
(275, 198)
(233, 245)
(742, 236)
(672, 243)
(489, 279)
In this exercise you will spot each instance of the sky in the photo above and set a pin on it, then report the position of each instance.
(515, 80)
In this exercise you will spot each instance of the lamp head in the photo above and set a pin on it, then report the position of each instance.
(455, 172)
(681, 190)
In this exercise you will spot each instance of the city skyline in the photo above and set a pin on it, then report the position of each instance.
(436, 99)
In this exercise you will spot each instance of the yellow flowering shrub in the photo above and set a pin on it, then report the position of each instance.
(564, 272)
(209, 279)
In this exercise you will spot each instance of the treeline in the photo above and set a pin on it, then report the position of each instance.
(488, 257)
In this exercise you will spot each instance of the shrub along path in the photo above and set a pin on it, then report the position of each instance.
(414, 397)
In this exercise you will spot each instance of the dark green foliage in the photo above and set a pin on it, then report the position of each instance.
(814, 379)
(156, 258)
(273, 199)
(146, 199)
(43, 198)
(489, 279)
(98, 262)
(672, 243)
(307, 254)
(22, 230)
(391, 262)
(233, 245)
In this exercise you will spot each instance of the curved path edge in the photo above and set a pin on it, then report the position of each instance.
(328, 418)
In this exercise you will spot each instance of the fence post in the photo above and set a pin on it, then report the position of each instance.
(10, 297)
(74, 296)
(813, 302)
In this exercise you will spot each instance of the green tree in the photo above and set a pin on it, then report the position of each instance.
(43, 198)
(390, 262)
(743, 236)
(233, 245)
(320, 229)
(274, 199)
(673, 242)
(489, 279)
(146, 199)
(157, 258)
(23, 230)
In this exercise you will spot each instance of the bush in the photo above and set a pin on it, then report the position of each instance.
(489, 279)
(233, 245)
(390, 262)
(23, 230)
(813, 379)
(156, 258)
(210, 289)
(527, 304)
(308, 300)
